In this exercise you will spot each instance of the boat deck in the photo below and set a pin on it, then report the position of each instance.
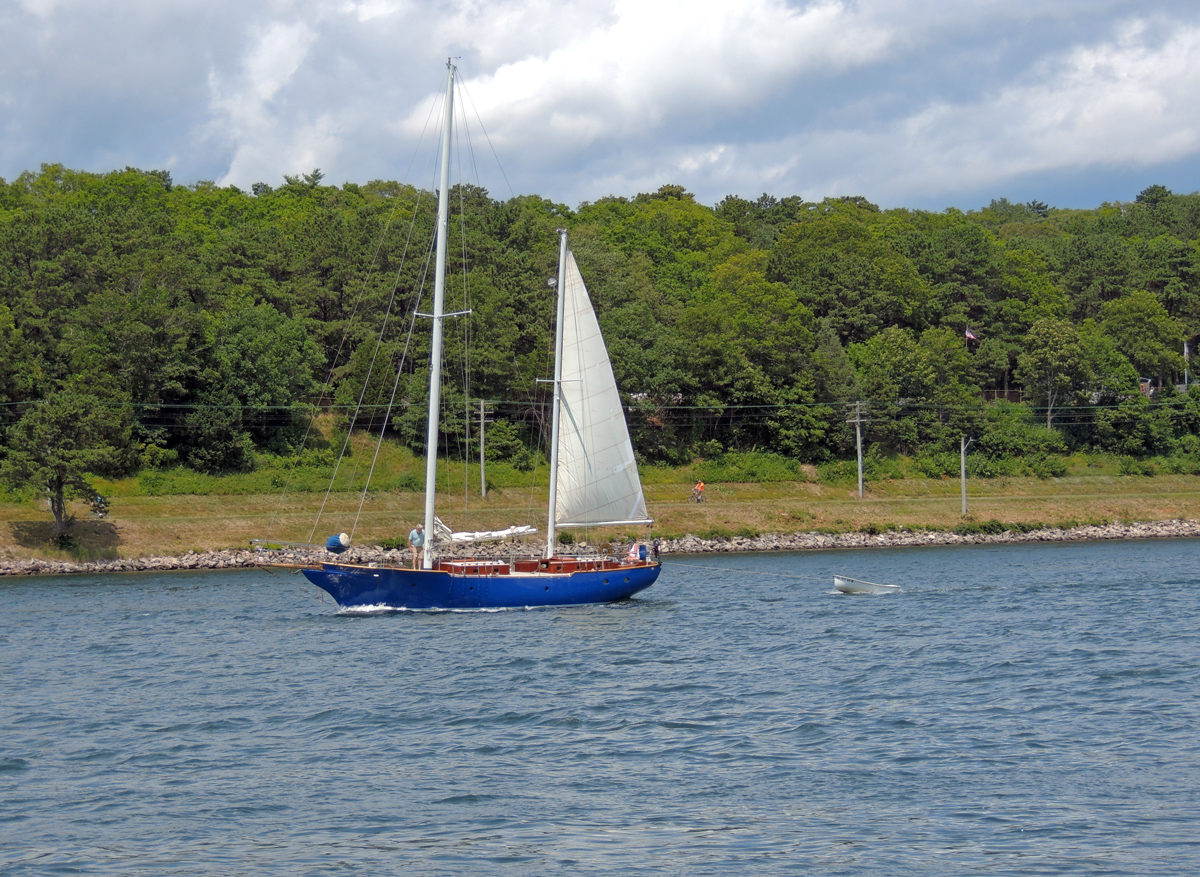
(490, 567)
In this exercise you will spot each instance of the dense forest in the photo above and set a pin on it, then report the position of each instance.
(155, 324)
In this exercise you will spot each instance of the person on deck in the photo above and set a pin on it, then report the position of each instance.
(416, 541)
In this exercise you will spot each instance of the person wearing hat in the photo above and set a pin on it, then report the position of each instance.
(416, 541)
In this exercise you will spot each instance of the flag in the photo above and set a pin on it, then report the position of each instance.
(971, 336)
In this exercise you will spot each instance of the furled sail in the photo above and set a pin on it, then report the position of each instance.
(445, 534)
(597, 477)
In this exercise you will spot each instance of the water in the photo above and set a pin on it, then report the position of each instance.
(1016, 710)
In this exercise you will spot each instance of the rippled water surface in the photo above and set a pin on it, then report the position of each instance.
(1015, 710)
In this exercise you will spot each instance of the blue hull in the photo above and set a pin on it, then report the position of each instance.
(353, 586)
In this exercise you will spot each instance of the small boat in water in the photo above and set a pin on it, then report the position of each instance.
(593, 477)
(847, 585)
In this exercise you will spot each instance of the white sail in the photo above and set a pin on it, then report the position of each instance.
(597, 477)
(445, 534)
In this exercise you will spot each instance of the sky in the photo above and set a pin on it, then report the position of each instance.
(925, 105)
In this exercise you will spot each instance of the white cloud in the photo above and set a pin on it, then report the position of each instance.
(246, 116)
(41, 8)
(1124, 102)
(896, 100)
(1129, 101)
(367, 10)
(661, 62)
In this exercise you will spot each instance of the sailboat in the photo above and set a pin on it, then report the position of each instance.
(593, 475)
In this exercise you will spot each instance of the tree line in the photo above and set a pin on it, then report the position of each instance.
(196, 325)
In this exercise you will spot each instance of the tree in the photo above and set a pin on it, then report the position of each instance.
(832, 370)
(1170, 268)
(891, 375)
(748, 342)
(1095, 269)
(843, 268)
(759, 222)
(1110, 375)
(10, 356)
(958, 258)
(952, 391)
(684, 240)
(1051, 367)
(59, 442)
(1144, 332)
(1153, 195)
(993, 361)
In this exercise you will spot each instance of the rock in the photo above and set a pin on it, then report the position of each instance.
(689, 544)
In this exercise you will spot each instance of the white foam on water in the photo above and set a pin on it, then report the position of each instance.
(384, 609)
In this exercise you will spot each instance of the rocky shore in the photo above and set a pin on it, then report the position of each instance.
(234, 559)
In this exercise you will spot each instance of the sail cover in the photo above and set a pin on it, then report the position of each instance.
(597, 477)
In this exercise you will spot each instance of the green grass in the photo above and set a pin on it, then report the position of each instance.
(396, 470)
(173, 510)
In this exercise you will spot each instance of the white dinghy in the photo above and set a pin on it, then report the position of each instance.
(847, 585)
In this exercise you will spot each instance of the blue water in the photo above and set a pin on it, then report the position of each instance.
(1015, 710)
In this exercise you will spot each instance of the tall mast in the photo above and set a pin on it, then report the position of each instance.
(557, 403)
(439, 303)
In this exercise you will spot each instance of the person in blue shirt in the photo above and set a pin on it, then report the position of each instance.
(416, 541)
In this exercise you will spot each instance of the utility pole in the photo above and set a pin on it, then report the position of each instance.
(963, 471)
(857, 420)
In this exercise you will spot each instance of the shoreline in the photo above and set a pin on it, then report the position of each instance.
(250, 558)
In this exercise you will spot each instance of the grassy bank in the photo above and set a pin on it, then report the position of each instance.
(229, 515)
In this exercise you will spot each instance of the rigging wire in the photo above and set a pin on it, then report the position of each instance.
(434, 105)
(540, 425)
(387, 416)
(375, 260)
(465, 441)
(499, 165)
(367, 380)
(358, 409)
(466, 359)
(416, 304)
